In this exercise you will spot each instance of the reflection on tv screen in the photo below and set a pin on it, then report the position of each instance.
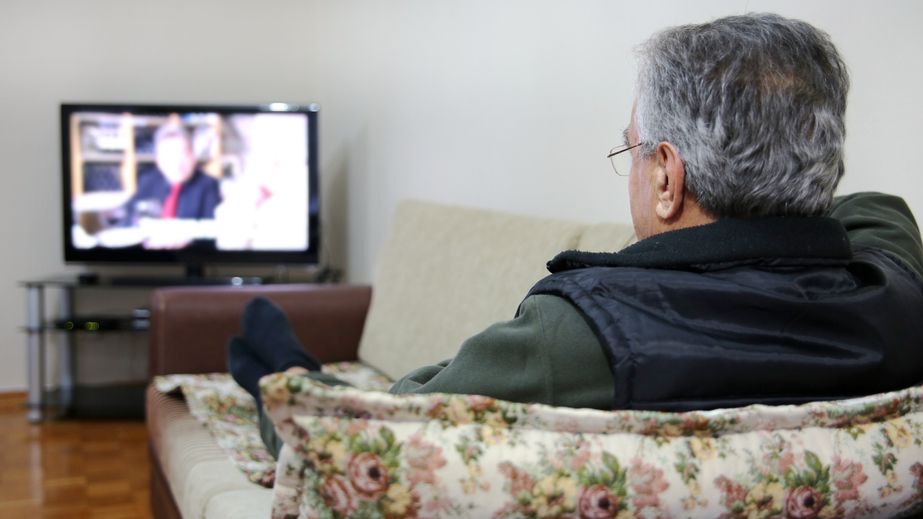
(171, 180)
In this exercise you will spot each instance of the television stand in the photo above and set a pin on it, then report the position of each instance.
(194, 276)
(160, 281)
(69, 323)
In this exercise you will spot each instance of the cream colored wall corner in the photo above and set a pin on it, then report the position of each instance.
(504, 105)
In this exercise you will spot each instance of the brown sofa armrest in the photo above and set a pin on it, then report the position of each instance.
(191, 326)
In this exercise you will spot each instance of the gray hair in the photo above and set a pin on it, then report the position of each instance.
(755, 106)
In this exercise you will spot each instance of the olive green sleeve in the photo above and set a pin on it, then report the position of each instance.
(883, 222)
(547, 354)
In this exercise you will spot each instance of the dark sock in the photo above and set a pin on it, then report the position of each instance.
(246, 369)
(266, 331)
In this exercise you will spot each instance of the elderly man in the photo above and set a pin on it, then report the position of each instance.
(749, 283)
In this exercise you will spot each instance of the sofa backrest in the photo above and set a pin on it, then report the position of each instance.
(445, 273)
(606, 237)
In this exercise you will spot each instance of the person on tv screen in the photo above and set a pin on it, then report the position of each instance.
(176, 188)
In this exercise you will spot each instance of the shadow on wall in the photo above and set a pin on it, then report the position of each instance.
(344, 170)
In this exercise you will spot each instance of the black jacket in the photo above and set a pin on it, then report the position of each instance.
(777, 310)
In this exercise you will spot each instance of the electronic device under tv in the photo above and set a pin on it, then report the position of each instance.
(193, 185)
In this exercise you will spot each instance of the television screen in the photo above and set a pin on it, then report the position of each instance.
(190, 184)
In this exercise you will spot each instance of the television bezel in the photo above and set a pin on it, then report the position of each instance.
(192, 257)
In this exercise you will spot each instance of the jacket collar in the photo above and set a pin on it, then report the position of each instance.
(776, 241)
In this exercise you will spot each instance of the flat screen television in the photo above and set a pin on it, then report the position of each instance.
(190, 184)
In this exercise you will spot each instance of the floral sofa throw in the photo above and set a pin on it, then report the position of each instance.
(229, 413)
(353, 453)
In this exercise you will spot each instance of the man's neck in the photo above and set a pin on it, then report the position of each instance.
(692, 215)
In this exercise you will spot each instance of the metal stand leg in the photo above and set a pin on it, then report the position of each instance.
(35, 320)
(66, 357)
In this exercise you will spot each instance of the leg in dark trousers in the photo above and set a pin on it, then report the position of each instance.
(268, 334)
(246, 369)
(266, 345)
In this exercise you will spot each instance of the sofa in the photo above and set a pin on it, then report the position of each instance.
(445, 273)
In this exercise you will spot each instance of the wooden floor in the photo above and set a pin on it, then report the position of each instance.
(71, 468)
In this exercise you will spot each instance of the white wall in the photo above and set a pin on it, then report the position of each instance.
(509, 105)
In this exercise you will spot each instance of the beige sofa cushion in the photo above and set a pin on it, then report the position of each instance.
(447, 273)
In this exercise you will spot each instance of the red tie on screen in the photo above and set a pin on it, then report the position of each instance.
(169, 205)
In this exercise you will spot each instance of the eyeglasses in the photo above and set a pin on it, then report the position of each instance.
(621, 161)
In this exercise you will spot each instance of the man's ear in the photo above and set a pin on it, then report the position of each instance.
(670, 182)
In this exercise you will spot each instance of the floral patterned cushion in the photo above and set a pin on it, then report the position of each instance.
(352, 453)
